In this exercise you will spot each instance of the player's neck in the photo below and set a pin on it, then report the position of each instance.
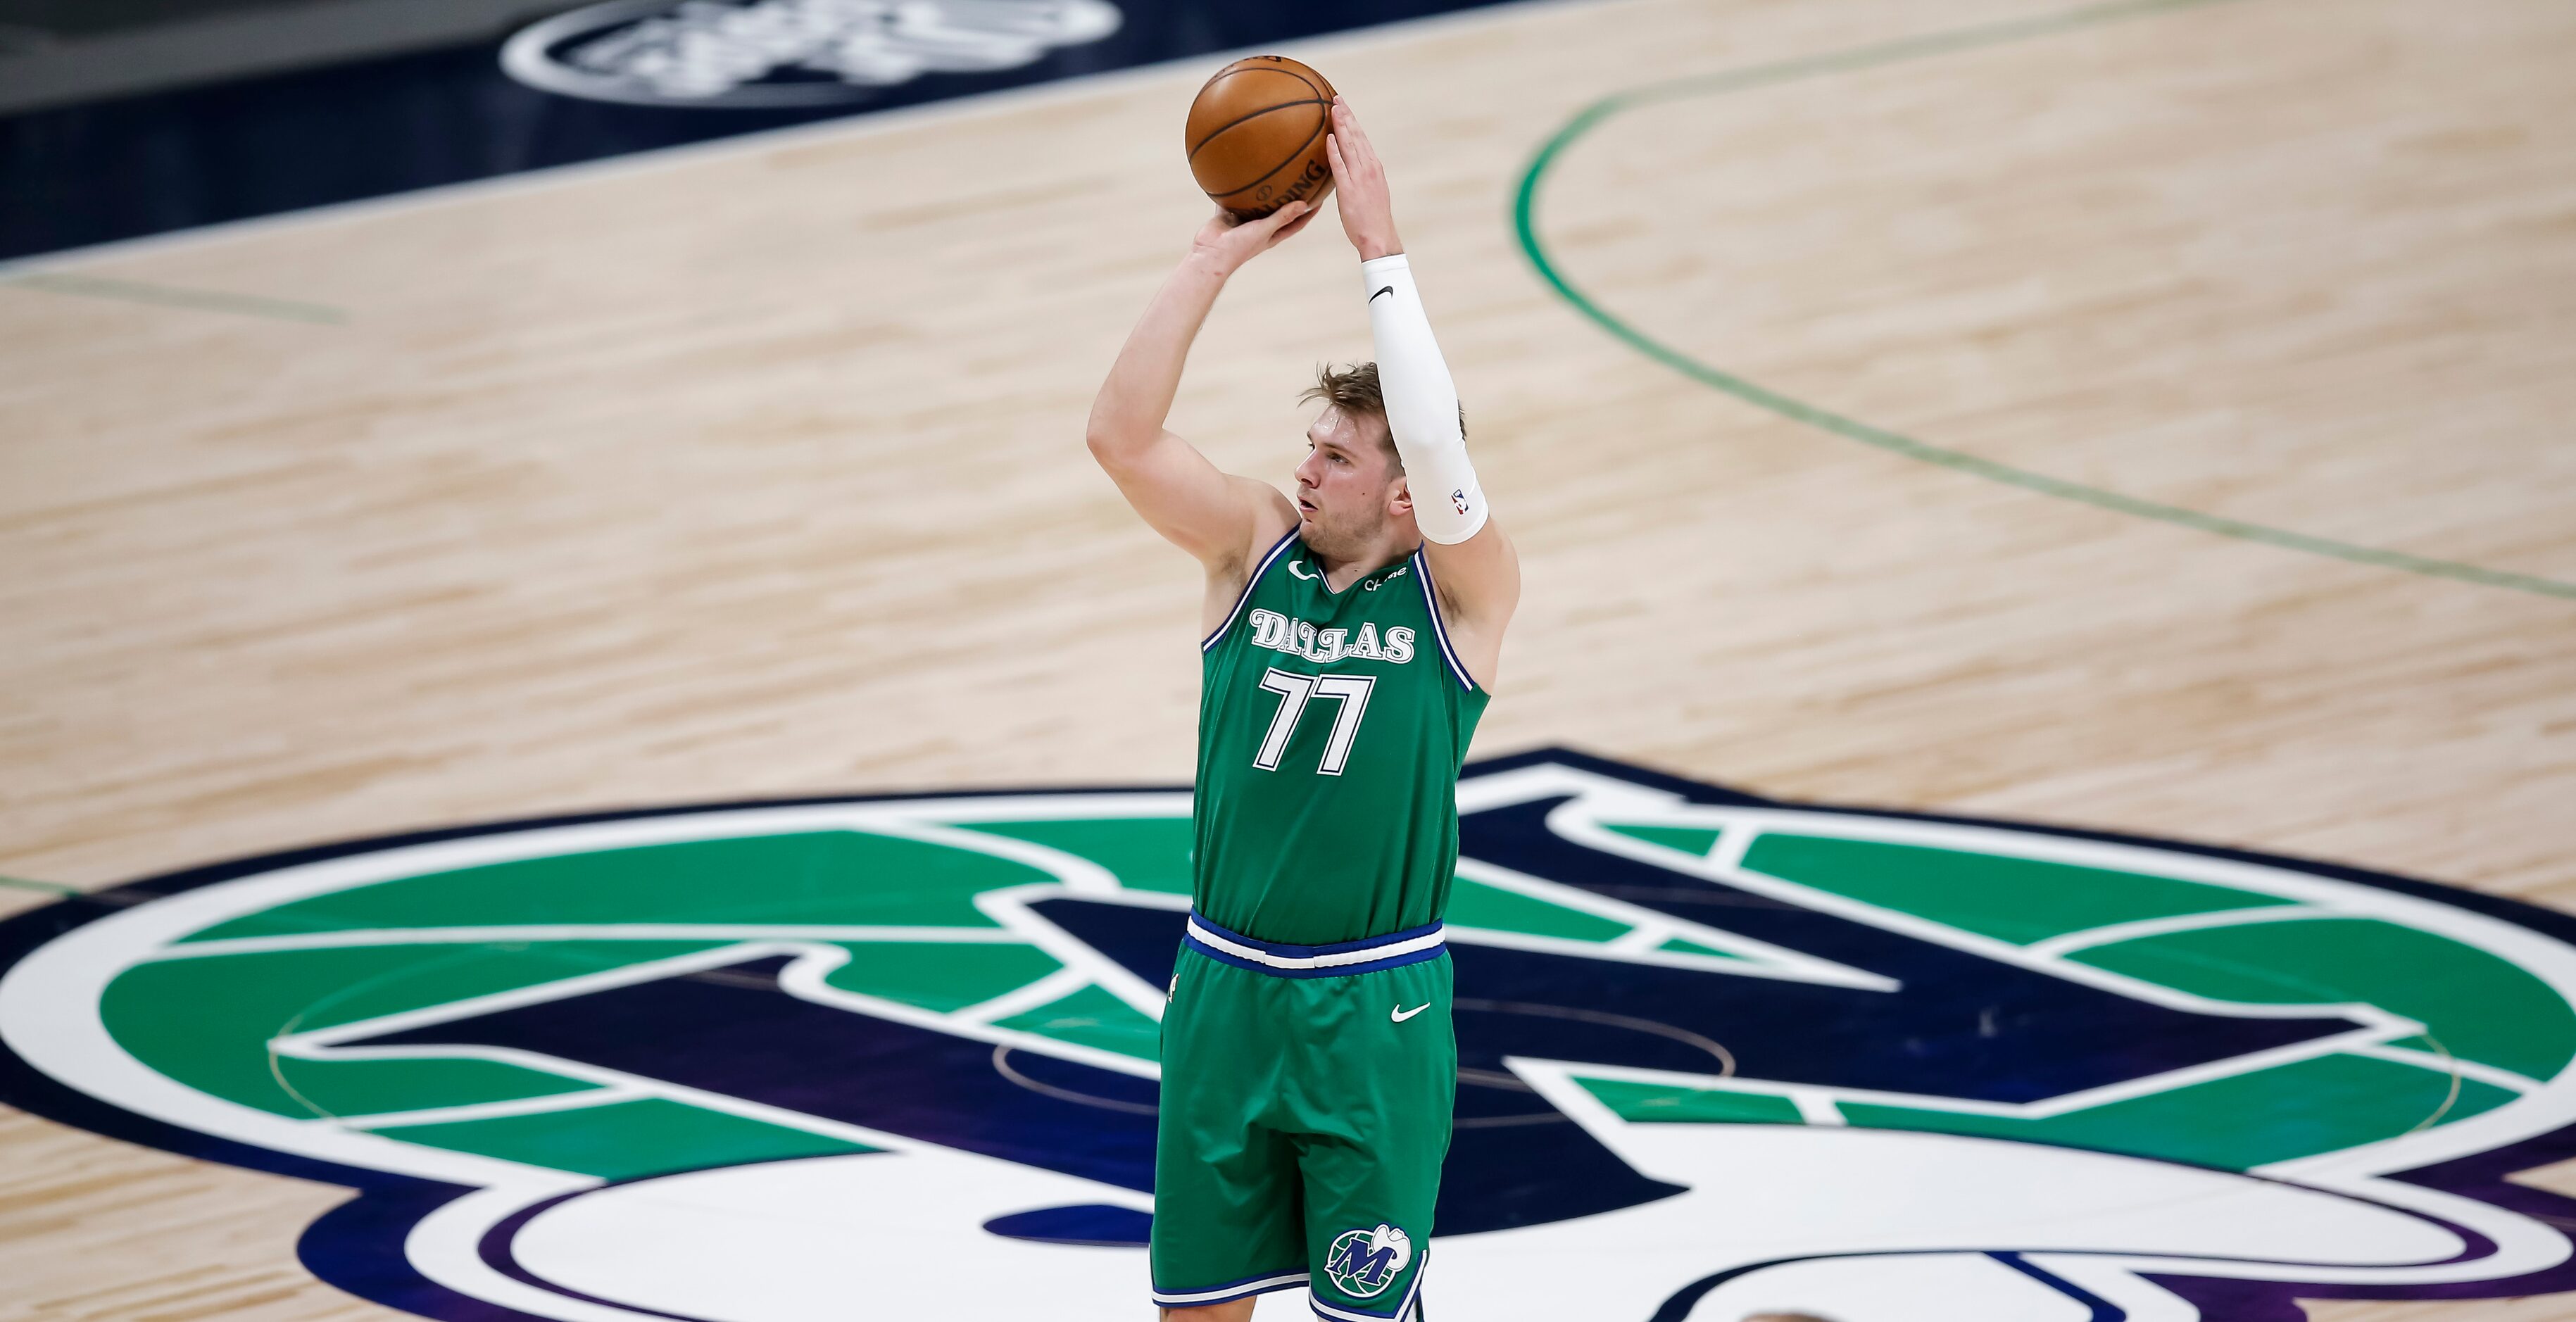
(1340, 571)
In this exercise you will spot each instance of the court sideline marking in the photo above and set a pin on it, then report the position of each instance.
(47, 887)
(1975, 37)
(979, 105)
(174, 296)
(46, 270)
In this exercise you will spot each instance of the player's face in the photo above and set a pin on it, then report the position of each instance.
(1345, 486)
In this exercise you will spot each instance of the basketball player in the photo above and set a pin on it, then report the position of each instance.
(1352, 631)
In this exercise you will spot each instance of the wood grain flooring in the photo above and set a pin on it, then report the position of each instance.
(757, 471)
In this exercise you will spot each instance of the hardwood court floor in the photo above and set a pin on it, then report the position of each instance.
(757, 471)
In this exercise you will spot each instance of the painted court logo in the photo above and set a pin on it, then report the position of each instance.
(787, 53)
(896, 1058)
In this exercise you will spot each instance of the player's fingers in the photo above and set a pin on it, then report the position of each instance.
(1284, 216)
(1293, 226)
(1346, 126)
(1347, 121)
(1333, 153)
(1363, 162)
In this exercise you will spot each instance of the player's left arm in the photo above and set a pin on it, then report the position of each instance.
(1474, 564)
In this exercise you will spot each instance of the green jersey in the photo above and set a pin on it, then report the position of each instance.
(1331, 729)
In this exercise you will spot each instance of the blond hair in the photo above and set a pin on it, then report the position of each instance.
(1353, 388)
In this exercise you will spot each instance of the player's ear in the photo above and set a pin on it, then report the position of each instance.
(1399, 496)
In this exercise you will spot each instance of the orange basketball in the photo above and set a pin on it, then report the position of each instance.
(1256, 135)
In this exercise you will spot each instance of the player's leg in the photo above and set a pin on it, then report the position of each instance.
(1238, 1311)
(1228, 1205)
(1378, 1087)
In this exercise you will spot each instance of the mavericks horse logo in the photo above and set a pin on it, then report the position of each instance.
(1365, 1262)
(897, 1057)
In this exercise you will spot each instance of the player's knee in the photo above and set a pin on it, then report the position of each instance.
(1238, 1310)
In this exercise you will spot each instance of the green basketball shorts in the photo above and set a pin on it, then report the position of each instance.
(1307, 1094)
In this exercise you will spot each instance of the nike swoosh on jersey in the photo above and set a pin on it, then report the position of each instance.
(1401, 1014)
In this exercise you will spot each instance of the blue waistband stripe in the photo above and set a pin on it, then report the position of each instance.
(1413, 945)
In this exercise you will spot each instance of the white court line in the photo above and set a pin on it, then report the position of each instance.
(1022, 999)
(2492, 1075)
(1010, 908)
(1754, 959)
(1816, 1108)
(576, 1100)
(2045, 1108)
(2113, 933)
(1642, 938)
(518, 933)
(805, 978)
(304, 1044)
(1570, 821)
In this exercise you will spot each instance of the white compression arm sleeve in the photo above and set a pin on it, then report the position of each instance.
(1421, 406)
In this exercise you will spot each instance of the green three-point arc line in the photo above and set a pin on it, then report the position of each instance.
(1534, 247)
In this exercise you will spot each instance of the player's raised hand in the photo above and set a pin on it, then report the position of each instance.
(1359, 180)
(1229, 242)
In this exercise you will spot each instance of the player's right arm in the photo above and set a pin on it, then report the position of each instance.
(1218, 518)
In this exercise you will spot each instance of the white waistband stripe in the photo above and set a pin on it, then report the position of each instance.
(1428, 940)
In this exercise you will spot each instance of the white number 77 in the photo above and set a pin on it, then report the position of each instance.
(1351, 691)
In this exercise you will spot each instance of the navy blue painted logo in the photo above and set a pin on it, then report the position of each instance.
(781, 54)
(1717, 1054)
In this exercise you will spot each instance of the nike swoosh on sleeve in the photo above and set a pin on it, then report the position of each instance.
(1382, 289)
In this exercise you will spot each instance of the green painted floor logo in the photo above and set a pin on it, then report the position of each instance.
(896, 1057)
